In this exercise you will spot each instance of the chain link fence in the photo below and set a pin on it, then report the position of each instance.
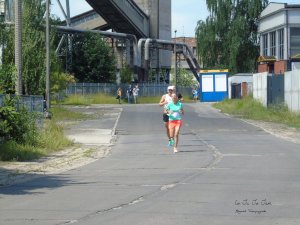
(32, 103)
(145, 89)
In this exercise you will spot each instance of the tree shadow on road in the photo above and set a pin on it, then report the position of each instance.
(24, 184)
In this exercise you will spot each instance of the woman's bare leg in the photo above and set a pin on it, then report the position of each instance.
(177, 129)
(167, 129)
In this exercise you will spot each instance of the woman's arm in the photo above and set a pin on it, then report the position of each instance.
(162, 101)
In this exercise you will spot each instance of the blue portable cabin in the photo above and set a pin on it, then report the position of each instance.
(213, 85)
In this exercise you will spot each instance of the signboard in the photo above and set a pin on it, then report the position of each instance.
(214, 85)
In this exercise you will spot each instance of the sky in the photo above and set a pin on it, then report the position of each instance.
(185, 13)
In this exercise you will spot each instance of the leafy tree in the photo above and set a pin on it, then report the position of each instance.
(7, 43)
(33, 51)
(184, 79)
(126, 74)
(7, 79)
(228, 37)
(92, 59)
(60, 81)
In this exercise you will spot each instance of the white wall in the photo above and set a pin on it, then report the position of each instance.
(292, 90)
(260, 87)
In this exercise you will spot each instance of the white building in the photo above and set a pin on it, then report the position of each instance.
(279, 33)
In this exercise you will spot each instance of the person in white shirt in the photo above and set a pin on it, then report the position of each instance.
(164, 101)
(135, 93)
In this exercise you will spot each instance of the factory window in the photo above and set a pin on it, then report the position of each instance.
(295, 40)
(273, 43)
(281, 43)
(265, 44)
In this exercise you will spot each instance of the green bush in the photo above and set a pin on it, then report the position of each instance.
(22, 139)
(17, 125)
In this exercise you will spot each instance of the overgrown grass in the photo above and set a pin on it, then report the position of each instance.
(109, 99)
(251, 109)
(90, 99)
(60, 113)
(49, 139)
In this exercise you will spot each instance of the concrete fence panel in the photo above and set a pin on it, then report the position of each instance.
(260, 87)
(292, 90)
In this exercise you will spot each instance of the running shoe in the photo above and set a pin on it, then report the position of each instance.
(175, 150)
(172, 142)
(169, 144)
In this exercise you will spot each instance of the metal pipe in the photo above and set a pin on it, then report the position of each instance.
(116, 35)
(68, 13)
(140, 46)
(170, 43)
(194, 65)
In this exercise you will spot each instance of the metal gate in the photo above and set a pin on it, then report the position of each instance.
(275, 89)
(236, 90)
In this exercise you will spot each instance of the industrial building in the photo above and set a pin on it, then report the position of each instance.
(279, 33)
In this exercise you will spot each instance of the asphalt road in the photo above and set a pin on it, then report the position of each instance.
(227, 172)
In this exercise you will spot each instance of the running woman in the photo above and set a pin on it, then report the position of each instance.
(175, 110)
(164, 101)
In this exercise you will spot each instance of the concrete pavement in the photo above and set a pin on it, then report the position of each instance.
(227, 172)
(93, 138)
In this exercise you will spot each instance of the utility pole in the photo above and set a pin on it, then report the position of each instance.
(175, 62)
(18, 46)
(47, 57)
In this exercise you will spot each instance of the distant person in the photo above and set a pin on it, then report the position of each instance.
(195, 94)
(175, 110)
(129, 94)
(135, 93)
(164, 101)
(119, 94)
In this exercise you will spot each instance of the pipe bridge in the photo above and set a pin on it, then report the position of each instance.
(124, 16)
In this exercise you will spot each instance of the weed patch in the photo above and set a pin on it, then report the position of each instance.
(249, 108)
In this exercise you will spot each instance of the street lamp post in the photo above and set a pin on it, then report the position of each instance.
(47, 57)
(175, 58)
